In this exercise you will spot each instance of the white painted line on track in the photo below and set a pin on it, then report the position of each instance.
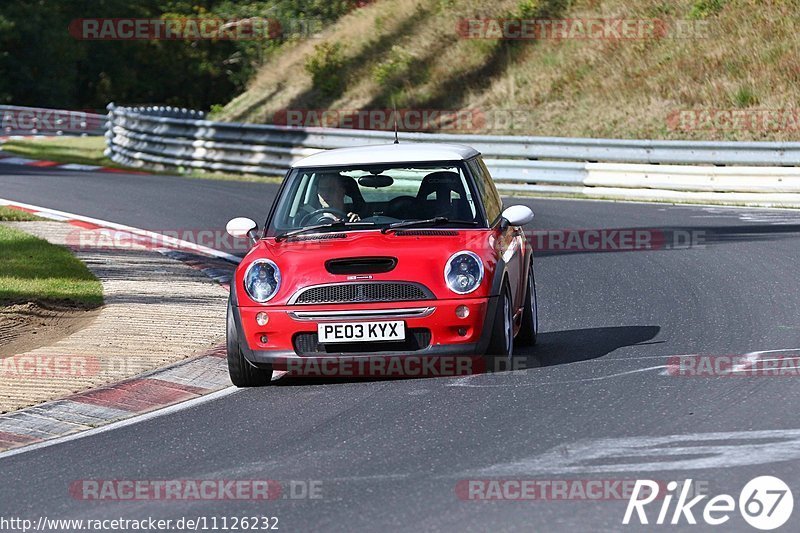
(55, 214)
(17, 160)
(76, 166)
(122, 423)
(466, 381)
(692, 451)
(748, 360)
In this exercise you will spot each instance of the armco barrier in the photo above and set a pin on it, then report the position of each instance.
(755, 172)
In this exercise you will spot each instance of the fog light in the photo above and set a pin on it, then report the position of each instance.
(263, 339)
(462, 311)
(462, 331)
(262, 319)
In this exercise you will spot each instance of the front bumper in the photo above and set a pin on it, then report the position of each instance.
(449, 335)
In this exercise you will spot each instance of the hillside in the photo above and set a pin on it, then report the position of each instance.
(711, 69)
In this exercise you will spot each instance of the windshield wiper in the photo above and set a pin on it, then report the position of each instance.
(337, 224)
(435, 221)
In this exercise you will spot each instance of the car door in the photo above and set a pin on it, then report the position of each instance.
(510, 243)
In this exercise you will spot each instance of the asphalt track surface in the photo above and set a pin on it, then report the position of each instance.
(390, 453)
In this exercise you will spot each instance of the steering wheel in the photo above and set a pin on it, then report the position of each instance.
(341, 215)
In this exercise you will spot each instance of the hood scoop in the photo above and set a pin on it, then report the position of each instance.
(361, 265)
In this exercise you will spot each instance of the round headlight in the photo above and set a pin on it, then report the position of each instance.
(262, 280)
(463, 272)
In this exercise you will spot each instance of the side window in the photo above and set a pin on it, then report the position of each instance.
(287, 212)
(489, 195)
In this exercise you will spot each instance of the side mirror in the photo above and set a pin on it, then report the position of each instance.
(242, 227)
(517, 215)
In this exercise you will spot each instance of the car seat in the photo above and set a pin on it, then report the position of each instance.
(442, 184)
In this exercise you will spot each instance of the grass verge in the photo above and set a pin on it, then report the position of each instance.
(81, 150)
(33, 270)
(15, 215)
(89, 151)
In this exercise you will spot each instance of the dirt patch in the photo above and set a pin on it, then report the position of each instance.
(25, 327)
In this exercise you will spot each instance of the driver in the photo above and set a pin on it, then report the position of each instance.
(331, 190)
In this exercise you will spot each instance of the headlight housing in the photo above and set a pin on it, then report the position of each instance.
(463, 272)
(262, 280)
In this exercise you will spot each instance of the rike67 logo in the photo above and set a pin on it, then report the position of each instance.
(765, 503)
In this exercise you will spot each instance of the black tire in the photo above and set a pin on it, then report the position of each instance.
(529, 328)
(243, 374)
(499, 355)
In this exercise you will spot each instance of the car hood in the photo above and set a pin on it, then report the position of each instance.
(421, 257)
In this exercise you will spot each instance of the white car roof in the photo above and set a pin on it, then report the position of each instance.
(388, 153)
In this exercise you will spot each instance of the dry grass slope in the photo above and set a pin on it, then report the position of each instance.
(410, 52)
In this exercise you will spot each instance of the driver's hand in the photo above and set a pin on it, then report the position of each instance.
(353, 217)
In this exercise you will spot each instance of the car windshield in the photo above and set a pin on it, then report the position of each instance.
(376, 197)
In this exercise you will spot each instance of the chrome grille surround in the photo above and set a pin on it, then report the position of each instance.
(361, 292)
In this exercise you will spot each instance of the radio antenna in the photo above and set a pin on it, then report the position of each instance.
(396, 138)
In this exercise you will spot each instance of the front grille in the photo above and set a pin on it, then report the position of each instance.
(308, 344)
(361, 292)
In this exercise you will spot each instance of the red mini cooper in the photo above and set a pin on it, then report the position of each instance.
(387, 250)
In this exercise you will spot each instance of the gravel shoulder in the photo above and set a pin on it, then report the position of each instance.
(27, 326)
(157, 310)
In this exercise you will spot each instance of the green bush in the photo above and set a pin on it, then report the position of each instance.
(394, 68)
(325, 66)
(745, 96)
(528, 9)
(705, 8)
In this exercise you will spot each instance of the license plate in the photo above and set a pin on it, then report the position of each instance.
(361, 331)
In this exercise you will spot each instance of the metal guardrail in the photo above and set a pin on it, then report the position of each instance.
(20, 120)
(163, 138)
